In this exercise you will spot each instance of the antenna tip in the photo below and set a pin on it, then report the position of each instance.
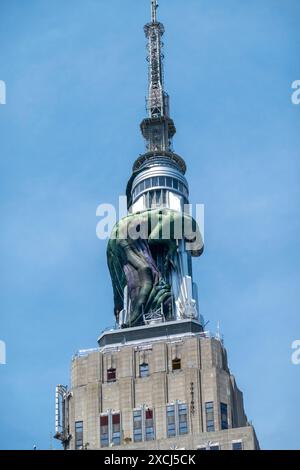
(154, 6)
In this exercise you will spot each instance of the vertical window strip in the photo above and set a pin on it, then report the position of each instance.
(116, 429)
(104, 431)
(177, 419)
(149, 425)
(144, 369)
(224, 415)
(171, 421)
(183, 418)
(78, 435)
(137, 426)
(209, 414)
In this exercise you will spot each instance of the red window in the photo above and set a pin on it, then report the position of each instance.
(104, 420)
(104, 431)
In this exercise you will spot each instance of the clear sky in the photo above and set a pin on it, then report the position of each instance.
(75, 73)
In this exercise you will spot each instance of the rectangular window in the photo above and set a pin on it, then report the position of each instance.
(144, 370)
(151, 196)
(237, 445)
(224, 416)
(111, 375)
(176, 364)
(149, 425)
(162, 181)
(137, 426)
(171, 421)
(155, 181)
(116, 429)
(209, 413)
(104, 432)
(214, 447)
(169, 182)
(175, 184)
(147, 183)
(158, 201)
(78, 435)
(183, 419)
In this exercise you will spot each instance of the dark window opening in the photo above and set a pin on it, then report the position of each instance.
(224, 416)
(237, 446)
(176, 364)
(111, 375)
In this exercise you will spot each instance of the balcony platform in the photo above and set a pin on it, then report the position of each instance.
(147, 332)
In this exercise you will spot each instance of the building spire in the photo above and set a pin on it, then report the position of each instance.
(154, 32)
(158, 129)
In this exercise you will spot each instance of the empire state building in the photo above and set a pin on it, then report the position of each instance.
(158, 380)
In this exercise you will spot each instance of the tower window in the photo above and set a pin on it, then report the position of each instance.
(214, 447)
(209, 413)
(224, 416)
(110, 429)
(149, 425)
(137, 426)
(238, 445)
(143, 425)
(104, 432)
(176, 364)
(177, 419)
(171, 421)
(144, 370)
(78, 435)
(116, 429)
(162, 181)
(111, 375)
(183, 420)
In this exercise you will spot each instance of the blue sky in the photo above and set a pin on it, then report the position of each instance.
(76, 80)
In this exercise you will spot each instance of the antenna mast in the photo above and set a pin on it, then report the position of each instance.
(154, 32)
(158, 129)
(154, 6)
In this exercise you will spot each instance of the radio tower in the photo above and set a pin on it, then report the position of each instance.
(158, 129)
